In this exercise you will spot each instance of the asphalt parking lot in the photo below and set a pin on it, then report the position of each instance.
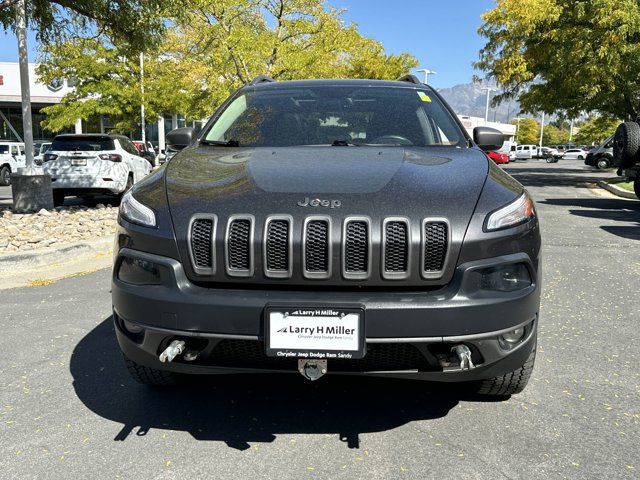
(69, 410)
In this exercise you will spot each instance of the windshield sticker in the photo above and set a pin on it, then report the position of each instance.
(424, 97)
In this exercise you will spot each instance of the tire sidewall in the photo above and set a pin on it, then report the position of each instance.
(5, 177)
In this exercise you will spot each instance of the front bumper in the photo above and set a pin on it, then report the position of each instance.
(409, 334)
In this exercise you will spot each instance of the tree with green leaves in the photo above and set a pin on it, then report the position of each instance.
(554, 135)
(210, 48)
(136, 22)
(596, 129)
(528, 131)
(563, 55)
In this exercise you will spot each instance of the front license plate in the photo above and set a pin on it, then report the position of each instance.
(315, 332)
(79, 162)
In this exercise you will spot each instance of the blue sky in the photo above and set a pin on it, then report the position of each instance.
(441, 34)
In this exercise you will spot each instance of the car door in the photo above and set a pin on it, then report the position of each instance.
(18, 156)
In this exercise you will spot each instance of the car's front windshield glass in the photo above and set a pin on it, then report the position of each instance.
(335, 115)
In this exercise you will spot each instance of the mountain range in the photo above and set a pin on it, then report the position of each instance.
(470, 99)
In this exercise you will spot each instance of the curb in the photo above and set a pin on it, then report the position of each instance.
(617, 190)
(45, 257)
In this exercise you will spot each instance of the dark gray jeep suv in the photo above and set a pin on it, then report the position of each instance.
(330, 227)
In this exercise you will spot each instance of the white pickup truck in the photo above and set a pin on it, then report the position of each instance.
(12, 157)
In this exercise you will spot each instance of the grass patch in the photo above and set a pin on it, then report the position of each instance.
(619, 182)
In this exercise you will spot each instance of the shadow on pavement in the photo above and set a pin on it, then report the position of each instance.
(606, 209)
(240, 409)
(555, 177)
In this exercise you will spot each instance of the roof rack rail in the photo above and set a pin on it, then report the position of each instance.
(261, 79)
(411, 79)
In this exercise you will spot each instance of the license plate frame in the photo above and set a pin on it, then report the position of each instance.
(78, 162)
(299, 344)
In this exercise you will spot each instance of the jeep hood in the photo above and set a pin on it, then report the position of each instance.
(376, 182)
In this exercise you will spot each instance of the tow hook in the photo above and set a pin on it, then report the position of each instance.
(464, 355)
(312, 369)
(172, 351)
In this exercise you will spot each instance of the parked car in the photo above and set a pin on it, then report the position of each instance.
(292, 234)
(146, 151)
(526, 152)
(626, 153)
(87, 165)
(41, 149)
(549, 154)
(602, 156)
(12, 157)
(574, 154)
(499, 158)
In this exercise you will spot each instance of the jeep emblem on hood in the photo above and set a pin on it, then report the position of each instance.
(317, 202)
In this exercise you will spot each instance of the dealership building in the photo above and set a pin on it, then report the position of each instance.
(43, 95)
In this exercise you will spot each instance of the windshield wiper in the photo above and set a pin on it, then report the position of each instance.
(344, 143)
(219, 143)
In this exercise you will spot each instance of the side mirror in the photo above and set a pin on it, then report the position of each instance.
(180, 138)
(488, 138)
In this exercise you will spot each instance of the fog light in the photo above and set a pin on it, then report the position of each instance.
(514, 336)
(508, 278)
(131, 327)
(139, 272)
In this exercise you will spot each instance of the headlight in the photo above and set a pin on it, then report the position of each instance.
(135, 212)
(516, 213)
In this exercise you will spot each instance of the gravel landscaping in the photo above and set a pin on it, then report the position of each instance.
(55, 227)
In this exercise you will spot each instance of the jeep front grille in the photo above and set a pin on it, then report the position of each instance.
(276, 248)
(317, 247)
(239, 248)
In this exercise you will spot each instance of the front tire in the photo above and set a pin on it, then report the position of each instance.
(602, 164)
(150, 376)
(128, 186)
(511, 383)
(5, 176)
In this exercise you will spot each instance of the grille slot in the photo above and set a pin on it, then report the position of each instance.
(380, 357)
(201, 244)
(356, 248)
(317, 247)
(396, 246)
(435, 245)
(239, 246)
(277, 247)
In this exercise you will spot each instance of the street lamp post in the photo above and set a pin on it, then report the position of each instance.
(30, 187)
(541, 129)
(427, 72)
(486, 112)
(517, 127)
(142, 124)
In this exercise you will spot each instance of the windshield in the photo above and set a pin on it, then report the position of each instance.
(84, 143)
(335, 115)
